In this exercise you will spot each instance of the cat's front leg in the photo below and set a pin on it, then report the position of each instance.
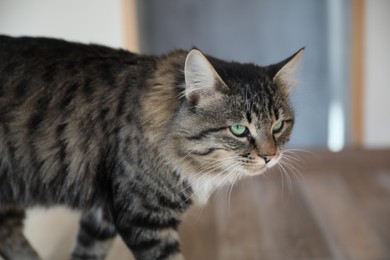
(150, 233)
(95, 236)
(150, 241)
(13, 244)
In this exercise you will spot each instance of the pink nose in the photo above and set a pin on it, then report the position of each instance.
(267, 158)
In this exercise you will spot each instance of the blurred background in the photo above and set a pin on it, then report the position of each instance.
(343, 99)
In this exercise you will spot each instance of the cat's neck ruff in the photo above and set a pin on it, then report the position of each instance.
(203, 186)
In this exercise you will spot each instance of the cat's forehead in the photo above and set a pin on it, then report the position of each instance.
(253, 93)
(255, 98)
(258, 104)
(248, 81)
(242, 74)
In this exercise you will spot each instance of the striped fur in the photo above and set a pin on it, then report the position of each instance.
(108, 132)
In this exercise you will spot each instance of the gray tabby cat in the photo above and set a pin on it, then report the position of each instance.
(130, 140)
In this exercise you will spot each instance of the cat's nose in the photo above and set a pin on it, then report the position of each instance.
(267, 158)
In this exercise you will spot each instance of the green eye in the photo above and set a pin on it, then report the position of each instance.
(238, 130)
(278, 127)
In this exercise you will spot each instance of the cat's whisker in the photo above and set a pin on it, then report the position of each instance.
(292, 162)
(282, 176)
(277, 170)
(299, 153)
(293, 169)
(298, 150)
(207, 183)
(221, 162)
(288, 179)
(204, 172)
(196, 191)
(234, 157)
(218, 164)
(232, 172)
(236, 177)
(181, 180)
(185, 157)
(226, 170)
(292, 158)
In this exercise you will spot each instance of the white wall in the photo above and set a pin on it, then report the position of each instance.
(377, 74)
(97, 21)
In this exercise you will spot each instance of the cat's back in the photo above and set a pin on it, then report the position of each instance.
(28, 47)
(39, 48)
(61, 105)
(44, 81)
(46, 62)
(57, 75)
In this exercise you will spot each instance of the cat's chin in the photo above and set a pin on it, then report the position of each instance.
(263, 169)
(254, 172)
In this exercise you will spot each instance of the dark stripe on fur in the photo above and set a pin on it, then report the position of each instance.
(169, 249)
(122, 99)
(204, 133)
(11, 214)
(38, 113)
(20, 88)
(85, 239)
(151, 221)
(183, 204)
(207, 152)
(98, 233)
(87, 89)
(249, 117)
(60, 141)
(83, 257)
(106, 75)
(69, 95)
(146, 244)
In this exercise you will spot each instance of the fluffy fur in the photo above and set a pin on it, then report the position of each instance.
(130, 140)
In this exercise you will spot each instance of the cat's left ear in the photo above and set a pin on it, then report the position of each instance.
(203, 84)
(283, 73)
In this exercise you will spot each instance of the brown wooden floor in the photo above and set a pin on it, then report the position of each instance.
(338, 207)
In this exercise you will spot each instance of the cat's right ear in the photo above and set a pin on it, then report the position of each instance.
(283, 73)
(201, 79)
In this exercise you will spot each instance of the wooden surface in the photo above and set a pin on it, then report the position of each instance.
(336, 207)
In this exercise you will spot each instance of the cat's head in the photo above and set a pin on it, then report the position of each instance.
(235, 118)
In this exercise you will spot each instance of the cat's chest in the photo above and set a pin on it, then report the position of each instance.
(204, 186)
